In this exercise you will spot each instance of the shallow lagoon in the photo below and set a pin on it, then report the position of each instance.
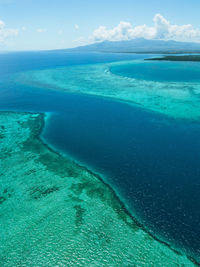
(151, 160)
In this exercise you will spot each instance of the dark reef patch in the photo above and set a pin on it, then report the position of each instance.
(5, 195)
(79, 215)
(2, 199)
(37, 193)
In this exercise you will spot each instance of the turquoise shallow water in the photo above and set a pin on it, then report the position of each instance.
(176, 99)
(57, 213)
(151, 160)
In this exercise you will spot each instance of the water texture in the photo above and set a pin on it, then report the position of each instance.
(147, 151)
(56, 213)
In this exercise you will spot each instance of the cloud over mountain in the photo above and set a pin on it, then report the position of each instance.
(162, 29)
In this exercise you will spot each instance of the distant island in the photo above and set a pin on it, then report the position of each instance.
(139, 45)
(178, 58)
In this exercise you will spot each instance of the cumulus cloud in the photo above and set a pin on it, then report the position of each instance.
(162, 29)
(6, 33)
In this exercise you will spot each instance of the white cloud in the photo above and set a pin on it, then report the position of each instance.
(76, 26)
(161, 29)
(6, 33)
(41, 30)
(60, 32)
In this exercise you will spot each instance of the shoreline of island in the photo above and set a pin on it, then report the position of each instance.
(183, 58)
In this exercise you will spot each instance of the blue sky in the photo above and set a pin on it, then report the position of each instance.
(52, 24)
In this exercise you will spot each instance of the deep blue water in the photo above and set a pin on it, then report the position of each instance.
(160, 71)
(151, 161)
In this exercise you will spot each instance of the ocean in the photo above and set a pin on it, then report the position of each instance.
(151, 160)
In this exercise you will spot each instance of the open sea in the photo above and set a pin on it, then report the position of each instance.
(150, 160)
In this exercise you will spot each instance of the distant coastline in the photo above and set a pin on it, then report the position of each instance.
(193, 58)
(154, 52)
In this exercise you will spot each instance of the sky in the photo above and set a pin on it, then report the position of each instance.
(57, 24)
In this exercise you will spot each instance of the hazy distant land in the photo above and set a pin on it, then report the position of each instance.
(178, 58)
(139, 45)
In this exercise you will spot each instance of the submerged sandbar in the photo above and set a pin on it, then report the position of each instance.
(177, 100)
(57, 213)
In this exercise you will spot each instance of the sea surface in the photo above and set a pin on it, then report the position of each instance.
(152, 161)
